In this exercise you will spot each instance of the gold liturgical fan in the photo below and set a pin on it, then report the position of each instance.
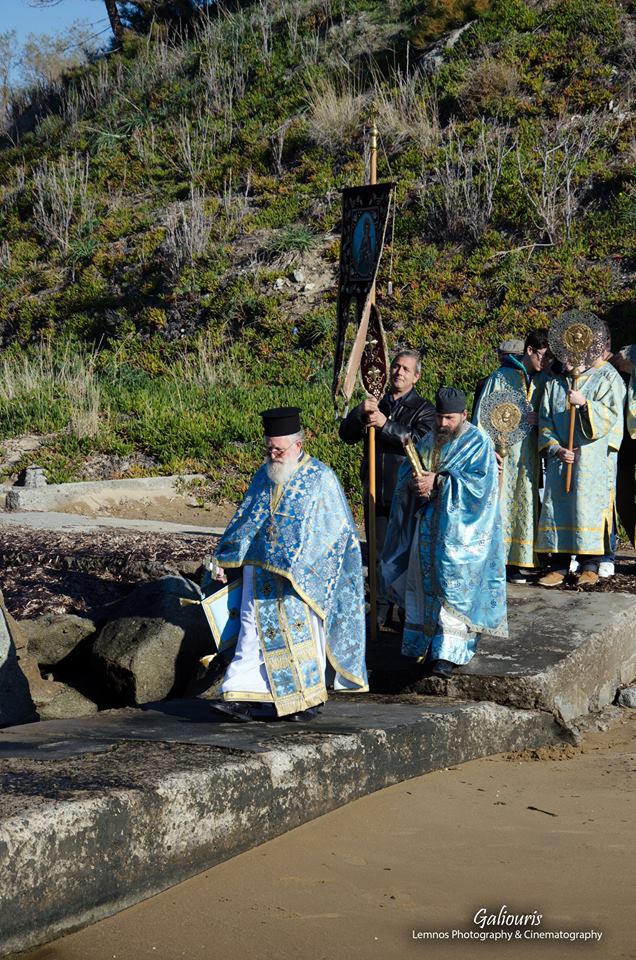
(505, 416)
(577, 339)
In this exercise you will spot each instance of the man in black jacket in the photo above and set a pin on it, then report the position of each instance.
(400, 413)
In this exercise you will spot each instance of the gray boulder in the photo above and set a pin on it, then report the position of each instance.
(627, 697)
(53, 636)
(16, 703)
(58, 701)
(151, 645)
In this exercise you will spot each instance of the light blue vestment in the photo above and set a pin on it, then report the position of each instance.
(455, 539)
(306, 551)
(631, 405)
(579, 522)
(519, 497)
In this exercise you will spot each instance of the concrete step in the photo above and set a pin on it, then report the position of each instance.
(99, 813)
(567, 653)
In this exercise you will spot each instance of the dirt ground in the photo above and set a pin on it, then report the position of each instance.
(547, 833)
(45, 571)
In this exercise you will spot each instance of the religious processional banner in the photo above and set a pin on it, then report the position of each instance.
(365, 212)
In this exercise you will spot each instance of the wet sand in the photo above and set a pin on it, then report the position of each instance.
(548, 832)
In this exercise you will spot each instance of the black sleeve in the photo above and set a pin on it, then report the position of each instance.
(423, 422)
(394, 434)
(351, 429)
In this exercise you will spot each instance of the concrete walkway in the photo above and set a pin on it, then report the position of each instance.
(54, 496)
(567, 653)
(49, 520)
(99, 813)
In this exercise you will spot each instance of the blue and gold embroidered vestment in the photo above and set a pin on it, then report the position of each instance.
(459, 540)
(305, 548)
(580, 521)
(519, 496)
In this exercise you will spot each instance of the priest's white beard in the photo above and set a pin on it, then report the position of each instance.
(281, 472)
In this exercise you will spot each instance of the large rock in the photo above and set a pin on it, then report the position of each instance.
(627, 697)
(53, 636)
(16, 703)
(63, 702)
(150, 647)
(52, 699)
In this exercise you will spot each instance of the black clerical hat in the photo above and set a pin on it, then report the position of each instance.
(281, 421)
(450, 400)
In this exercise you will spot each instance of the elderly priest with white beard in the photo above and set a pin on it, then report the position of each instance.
(302, 603)
(443, 560)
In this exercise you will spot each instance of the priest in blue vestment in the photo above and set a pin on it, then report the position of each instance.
(521, 468)
(580, 522)
(443, 560)
(302, 606)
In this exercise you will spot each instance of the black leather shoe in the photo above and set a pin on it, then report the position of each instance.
(443, 669)
(303, 715)
(232, 710)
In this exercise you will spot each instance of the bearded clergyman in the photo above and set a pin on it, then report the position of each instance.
(443, 559)
(302, 606)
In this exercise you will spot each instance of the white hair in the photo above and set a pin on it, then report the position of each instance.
(292, 437)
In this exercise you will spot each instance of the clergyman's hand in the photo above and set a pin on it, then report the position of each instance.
(568, 456)
(372, 415)
(576, 398)
(423, 485)
(532, 418)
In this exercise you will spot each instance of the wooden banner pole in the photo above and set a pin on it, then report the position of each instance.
(568, 472)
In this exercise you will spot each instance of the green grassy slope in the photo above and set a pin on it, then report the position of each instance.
(150, 223)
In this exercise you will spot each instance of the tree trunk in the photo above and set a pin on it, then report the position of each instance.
(115, 21)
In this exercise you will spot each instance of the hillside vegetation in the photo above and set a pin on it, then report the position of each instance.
(169, 219)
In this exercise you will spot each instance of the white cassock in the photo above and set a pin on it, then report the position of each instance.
(246, 677)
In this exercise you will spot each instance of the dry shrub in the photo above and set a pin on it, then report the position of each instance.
(188, 229)
(44, 376)
(489, 83)
(84, 391)
(209, 365)
(91, 90)
(233, 204)
(195, 145)
(552, 174)
(407, 112)
(61, 198)
(336, 111)
(460, 199)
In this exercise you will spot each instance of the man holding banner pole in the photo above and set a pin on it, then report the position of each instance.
(400, 414)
